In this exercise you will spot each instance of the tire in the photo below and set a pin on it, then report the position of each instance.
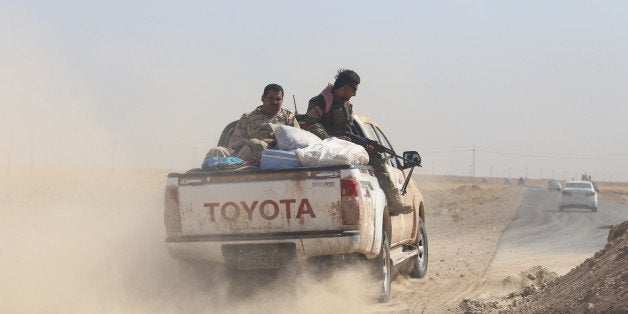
(419, 264)
(594, 209)
(384, 270)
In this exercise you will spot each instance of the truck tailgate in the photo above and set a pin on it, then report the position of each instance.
(274, 202)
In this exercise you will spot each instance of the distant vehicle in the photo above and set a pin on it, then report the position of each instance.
(507, 181)
(580, 194)
(521, 181)
(554, 185)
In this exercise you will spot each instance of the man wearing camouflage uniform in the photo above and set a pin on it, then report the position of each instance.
(253, 133)
(330, 111)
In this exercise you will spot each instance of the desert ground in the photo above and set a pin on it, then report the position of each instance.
(91, 241)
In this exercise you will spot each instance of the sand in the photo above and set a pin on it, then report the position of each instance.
(91, 241)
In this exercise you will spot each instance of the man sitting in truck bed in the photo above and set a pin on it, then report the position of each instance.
(331, 112)
(253, 133)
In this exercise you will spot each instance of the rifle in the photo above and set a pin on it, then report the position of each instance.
(377, 147)
(356, 139)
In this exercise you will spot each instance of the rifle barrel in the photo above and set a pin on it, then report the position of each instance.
(376, 145)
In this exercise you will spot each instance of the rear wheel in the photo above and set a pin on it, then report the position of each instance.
(419, 264)
(383, 269)
(594, 209)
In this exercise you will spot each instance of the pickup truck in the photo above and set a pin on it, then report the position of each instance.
(259, 219)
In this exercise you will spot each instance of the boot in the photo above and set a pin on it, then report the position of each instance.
(395, 203)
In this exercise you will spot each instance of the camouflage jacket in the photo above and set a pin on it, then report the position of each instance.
(256, 125)
(339, 117)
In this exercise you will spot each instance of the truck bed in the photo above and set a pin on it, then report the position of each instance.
(298, 210)
(259, 201)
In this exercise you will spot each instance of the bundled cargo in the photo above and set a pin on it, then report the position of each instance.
(333, 152)
(291, 138)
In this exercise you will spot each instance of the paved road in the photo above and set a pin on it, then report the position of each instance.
(542, 235)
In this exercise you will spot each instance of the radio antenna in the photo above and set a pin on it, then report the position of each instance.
(294, 100)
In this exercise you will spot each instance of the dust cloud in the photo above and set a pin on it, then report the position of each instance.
(47, 115)
(91, 240)
(81, 235)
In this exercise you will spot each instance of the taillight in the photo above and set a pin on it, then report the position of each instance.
(349, 204)
(172, 217)
(590, 194)
(566, 193)
(349, 188)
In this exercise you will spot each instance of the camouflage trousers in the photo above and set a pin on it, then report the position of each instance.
(397, 202)
(219, 151)
(252, 148)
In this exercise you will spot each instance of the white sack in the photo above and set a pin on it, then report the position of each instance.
(291, 138)
(332, 152)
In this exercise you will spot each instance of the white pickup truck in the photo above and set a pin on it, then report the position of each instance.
(256, 219)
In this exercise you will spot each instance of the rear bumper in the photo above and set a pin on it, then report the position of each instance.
(210, 248)
(590, 202)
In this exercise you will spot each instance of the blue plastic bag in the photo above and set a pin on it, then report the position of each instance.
(214, 163)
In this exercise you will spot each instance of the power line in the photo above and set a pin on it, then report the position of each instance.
(551, 156)
(522, 154)
(448, 151)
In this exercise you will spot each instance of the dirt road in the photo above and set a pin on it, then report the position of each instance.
(77, 241)
(464, 228)
(542, 235)
(539, 235)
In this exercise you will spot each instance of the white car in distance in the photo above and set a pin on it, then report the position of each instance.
(579, 194)
(554, 185)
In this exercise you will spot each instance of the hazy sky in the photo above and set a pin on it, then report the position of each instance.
(537, 87)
